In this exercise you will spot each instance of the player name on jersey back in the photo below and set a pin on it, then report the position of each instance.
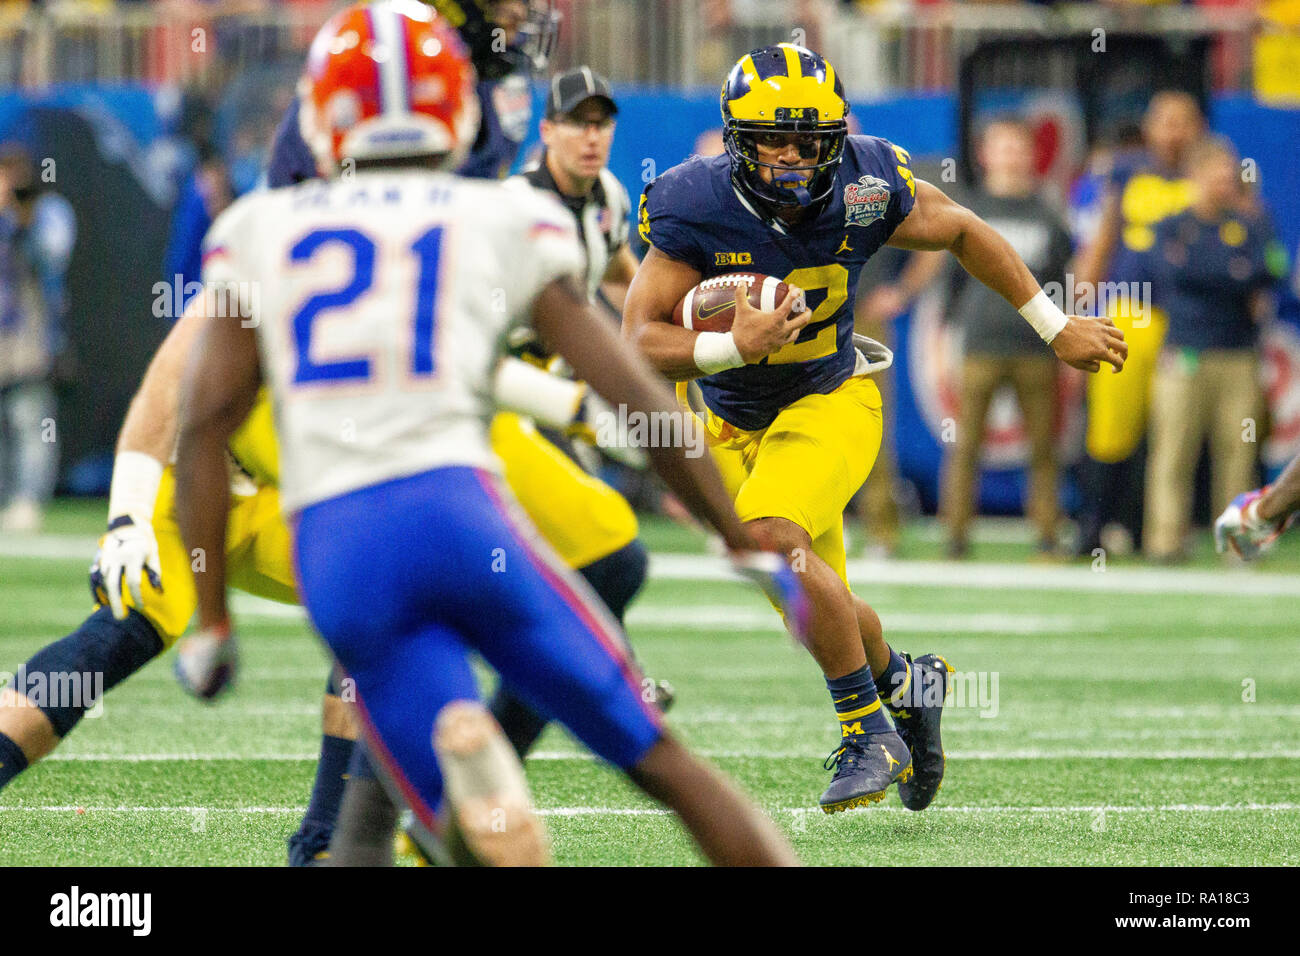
(382, 305)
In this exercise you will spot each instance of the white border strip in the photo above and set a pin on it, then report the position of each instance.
(390, 36)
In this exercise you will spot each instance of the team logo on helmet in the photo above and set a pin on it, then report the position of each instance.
(865, 201)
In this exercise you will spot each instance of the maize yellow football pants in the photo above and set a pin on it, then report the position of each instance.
(807, 464)
(1119, 404)
(582, 518)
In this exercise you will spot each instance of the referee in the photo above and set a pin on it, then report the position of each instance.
(578, 131)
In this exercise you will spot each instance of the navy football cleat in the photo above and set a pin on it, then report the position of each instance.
(865, 766)
(310, 845)
(918, 725)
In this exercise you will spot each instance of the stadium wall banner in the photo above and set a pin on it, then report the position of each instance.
(119, 159)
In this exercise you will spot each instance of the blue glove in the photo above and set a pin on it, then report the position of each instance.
(769, 571)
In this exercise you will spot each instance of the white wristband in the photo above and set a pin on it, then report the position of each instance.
(136, 477)
(1042, 313)
(716, 352)
(550, 400)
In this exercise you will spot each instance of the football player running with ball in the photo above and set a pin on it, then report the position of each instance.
(789, 408)
(377, 332)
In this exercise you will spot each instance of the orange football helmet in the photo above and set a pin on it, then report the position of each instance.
(387, 80)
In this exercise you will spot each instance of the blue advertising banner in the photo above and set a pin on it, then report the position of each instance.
(119, 161)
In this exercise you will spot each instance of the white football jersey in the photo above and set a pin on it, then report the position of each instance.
(382, 303)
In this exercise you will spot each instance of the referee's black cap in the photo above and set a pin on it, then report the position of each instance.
(571, 89)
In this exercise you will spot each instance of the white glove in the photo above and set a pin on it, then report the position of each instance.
(127, 553)
(206, 662)
(878, 355)
(129, 550)
(1241, 527)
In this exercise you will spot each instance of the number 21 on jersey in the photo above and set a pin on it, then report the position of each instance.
(427, 250)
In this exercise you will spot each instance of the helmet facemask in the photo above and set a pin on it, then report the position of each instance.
(538, 34)
(478, 22)
(806, 185)
(789, 90)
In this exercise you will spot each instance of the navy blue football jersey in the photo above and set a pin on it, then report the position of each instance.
(507, 113)
(693, 214)
(291, 159)
(1147, 194)
(1204, 275)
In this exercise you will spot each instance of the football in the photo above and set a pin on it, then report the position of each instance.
(711, 305)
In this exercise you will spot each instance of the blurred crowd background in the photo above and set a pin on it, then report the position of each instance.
(1144, 150)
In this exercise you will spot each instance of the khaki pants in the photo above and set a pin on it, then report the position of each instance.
(1214, 393)
(1034, 380)
(26, 409)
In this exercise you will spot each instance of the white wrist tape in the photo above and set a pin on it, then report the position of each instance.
(1042, 313)
(136, 477)
(716, 352)
(550, 400)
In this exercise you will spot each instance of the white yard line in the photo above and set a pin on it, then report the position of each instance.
(176, 758)
(1234, 582)
(249, 605)
(1238, 582)
(178, 712)
(61, 547)
(24, 808)
(733, 617)
(1024, 753)
(816, 812)
(1241, 714)
(1226, 582)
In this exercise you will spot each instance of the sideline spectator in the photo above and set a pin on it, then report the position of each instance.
(204, 196)
(1146, 185)
(874, 315)
(1212, 269)
(37, 233)
(998, 346)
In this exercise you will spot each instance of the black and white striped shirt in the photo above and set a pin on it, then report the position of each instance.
(602, 217)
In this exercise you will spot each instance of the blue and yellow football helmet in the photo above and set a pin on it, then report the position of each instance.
(784, 89)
